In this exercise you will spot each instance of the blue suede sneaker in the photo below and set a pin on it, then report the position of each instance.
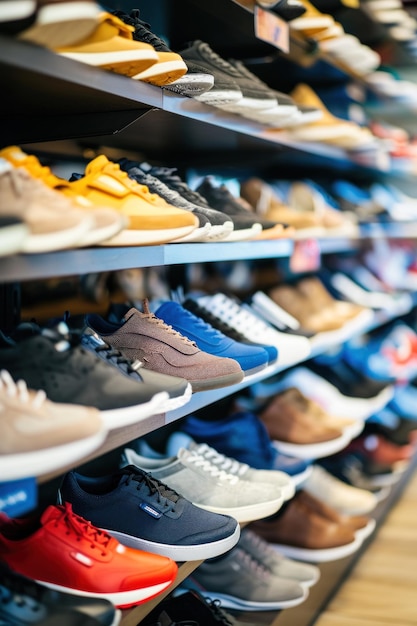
(251, 358)
(242, 436)
(144, 513)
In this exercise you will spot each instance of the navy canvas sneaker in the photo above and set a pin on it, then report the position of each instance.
(53, 360)
(144, 513)
(250, 358)
(243, 437)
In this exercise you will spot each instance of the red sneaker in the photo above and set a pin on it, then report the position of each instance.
(67, 553)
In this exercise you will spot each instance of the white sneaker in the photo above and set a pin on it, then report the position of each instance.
(344, 498)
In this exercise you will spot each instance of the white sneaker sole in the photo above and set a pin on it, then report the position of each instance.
(318, 555)
(116, 418)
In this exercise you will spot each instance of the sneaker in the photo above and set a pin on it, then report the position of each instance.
(54, 222)
(53, 360)
(38, 436)
(357, 470)
(246, 225)
(181, 439)
(156, 186)
(52, 23)
(111, 47)
(242, 436)
(149, 339)
(221, 224)
(107, 222)
(225, 89)
(191, 605)
(151, 219)
(226, 329)
(208, 486)
(169, 67)
(194, 83)
(241, 583)
(344, 498)
(150, 516)
(304, 574)
(241, 317)
(210, 340)
(178, 389)
(55, 548)
(299, 532)
(27, 603)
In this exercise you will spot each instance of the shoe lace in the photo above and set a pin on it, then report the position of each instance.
(114, 355)
(259, 545)
(201, 326)
(142, 30)
(174, 181)
(199, 461)
(229, 465)
(160, 322)
(213, 320)
(218, 613)
(19, 390)
(214, 58)
(164, 495)
(82, 529)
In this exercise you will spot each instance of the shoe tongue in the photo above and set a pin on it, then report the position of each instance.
(97, 165)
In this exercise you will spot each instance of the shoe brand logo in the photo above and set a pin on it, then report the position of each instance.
(150, 510)
(82, 558)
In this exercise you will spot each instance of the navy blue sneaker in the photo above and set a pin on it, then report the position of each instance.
(242, 436)
(144, 513)
(250, 358)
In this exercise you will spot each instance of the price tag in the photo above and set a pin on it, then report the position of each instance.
(272, 29)
(306, 256)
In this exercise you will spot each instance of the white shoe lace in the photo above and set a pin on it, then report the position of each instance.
(192, 458)
(229, 465)
(20, 391)
(241, 319)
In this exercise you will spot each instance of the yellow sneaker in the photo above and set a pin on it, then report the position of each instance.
(106, 221)
(170, 65)
(111, 47)
(312, 21)
(151, 219)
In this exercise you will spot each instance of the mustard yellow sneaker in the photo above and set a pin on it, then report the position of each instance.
(170, 65)
(111, 47)
(151, 219)
(106, 221)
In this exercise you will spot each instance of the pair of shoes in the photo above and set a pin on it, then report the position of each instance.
(209, 486)
(145, 337)
(24, 602)
(38, 436)
(62, 550)
(243, 437)
(308, 530)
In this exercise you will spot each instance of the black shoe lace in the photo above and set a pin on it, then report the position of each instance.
(167, 175)
(164, 494)
(142, 30)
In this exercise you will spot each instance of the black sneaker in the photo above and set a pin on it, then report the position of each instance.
(221, 224)
(24, 602)
(246, 224)
(144, 513)
(190, 608)
(169, 195)
(54, 360)
(194, 83)
(178, 389)
(225, 89)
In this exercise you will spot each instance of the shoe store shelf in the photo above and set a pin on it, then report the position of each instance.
(73, 100)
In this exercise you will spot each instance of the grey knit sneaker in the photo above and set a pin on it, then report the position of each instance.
(305, 574)
(145, 337)
(208, 486)
(240, 582)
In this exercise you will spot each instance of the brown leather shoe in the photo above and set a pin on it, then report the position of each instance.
(288, 417)
(320, 299)
(351, 522)
(298, 524)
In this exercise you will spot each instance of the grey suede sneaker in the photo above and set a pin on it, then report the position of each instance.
(208, 486)
(240, 582)
(145, 337)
